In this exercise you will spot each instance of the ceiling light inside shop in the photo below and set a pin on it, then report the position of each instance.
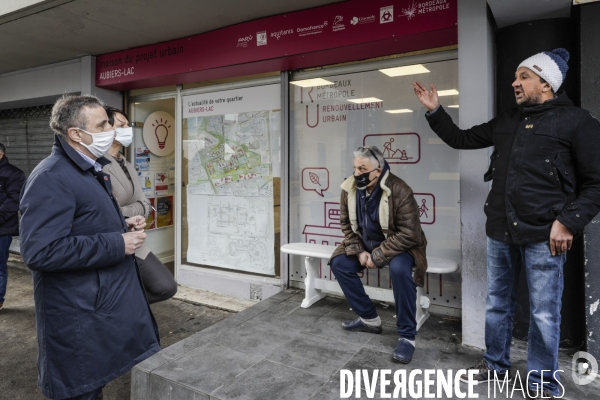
(403, 71)
(453, 106)
(365, 100)
(400, 111)
(449, 92)
(311, 82)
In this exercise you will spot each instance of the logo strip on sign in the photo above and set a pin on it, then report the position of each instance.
(422, 24)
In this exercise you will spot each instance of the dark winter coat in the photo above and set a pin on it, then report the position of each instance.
(11, 182)
(399, 218)
(93, 321)
(544, 167)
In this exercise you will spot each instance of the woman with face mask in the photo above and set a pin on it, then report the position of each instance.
(157, 279)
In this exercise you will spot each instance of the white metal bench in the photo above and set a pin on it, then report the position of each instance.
(314, 285)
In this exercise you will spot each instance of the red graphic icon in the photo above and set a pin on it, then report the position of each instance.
(316, 179)
(423, 208)
(312, 101)
(329, 233)
(426, 204)
(161, 131)
(397, 148)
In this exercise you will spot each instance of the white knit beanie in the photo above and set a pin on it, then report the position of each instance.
(550, 66)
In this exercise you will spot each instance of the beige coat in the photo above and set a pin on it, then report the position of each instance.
(127, 195)
(399, 219)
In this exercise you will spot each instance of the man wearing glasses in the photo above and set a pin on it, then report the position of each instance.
(380, 222)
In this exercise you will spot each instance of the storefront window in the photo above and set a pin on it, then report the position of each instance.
(231, 177)
(152, 153)
(331, 116)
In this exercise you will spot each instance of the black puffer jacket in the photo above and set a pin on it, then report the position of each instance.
(544, 167)
(12, 180)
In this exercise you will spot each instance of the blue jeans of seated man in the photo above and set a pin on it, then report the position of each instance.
(5, 241)
(346, 268)
(545, 281)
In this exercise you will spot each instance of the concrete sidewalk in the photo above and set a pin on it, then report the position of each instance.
(278, 350)
(272, 350)
(176, 320)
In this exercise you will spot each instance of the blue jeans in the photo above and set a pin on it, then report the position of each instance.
(346, 268)
(5, 241)
(545, 281)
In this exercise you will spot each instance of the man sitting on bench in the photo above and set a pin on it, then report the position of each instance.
(380, 222)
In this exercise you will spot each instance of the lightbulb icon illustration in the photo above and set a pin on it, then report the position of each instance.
(161, 131)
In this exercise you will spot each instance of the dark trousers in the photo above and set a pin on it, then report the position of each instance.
(93, 395)
(158, 281)
(5, 241)
(346, 269)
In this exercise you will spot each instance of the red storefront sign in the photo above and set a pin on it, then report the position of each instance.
(335, 33)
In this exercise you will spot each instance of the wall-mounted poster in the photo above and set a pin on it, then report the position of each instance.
(164, 211)
(161, 183)
(146, 182)
(230, 177)
(142, 159)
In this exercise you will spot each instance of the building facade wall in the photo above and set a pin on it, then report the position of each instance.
(476, 63)
(43, 85)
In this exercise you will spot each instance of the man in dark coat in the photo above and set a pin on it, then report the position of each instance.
(380, 221)
(93, 321)
(11, 182)
(546, 188)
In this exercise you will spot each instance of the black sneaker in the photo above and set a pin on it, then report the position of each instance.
(485, 374)
(358, 326)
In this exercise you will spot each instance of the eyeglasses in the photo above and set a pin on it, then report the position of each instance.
(370, 151)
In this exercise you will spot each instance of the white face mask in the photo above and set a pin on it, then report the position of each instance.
(101, 142)
(124, 136)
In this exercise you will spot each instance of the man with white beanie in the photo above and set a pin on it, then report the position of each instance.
(545, 189)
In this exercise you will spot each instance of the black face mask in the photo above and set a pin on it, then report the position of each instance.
(362, 180)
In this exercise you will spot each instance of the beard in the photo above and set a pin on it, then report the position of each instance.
(530, 100)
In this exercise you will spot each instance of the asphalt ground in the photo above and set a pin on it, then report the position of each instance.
(18, 343)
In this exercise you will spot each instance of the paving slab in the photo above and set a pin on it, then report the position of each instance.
(314, 354)
(205, 368)
(270, 380)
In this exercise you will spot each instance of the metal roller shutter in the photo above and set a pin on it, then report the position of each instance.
(27, 135)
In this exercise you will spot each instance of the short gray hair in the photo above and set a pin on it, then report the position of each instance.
(373, 153)
(67, 112)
